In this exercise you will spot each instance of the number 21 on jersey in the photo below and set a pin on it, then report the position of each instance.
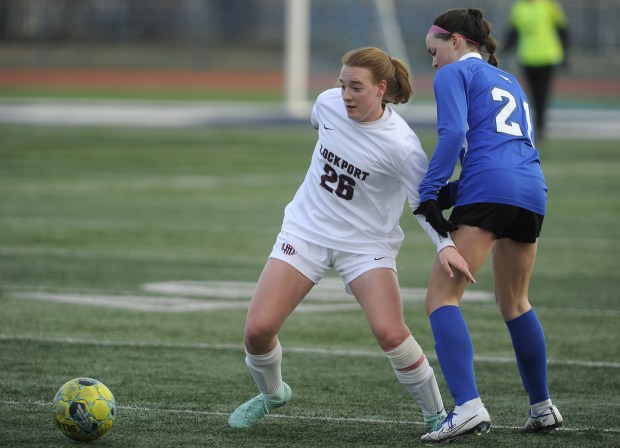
(503, 122)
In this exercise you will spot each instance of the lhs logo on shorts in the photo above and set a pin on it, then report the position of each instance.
(288, 249)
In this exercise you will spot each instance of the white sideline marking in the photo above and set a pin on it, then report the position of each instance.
(355, 420)
(10, 289)
(299, 350)
(329, 293)
(162, 304)
(329, 289)
(565, 123)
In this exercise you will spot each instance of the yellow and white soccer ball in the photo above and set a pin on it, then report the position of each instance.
(84, 409)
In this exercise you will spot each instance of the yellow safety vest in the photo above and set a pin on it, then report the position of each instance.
(536, 22)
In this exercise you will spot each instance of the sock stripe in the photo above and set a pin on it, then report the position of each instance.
(413, 366)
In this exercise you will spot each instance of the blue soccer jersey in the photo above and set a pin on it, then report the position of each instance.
(483, 117)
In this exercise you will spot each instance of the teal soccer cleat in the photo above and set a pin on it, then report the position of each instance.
(250, 412)
(434, 422)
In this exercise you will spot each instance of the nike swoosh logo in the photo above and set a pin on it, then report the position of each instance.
(329, 129)
(455, 428)
(380, 258)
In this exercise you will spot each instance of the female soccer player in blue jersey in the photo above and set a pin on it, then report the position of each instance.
(483, 118)
(345, 215)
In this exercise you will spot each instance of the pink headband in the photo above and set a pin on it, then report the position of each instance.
(437, 30)
(434, 29)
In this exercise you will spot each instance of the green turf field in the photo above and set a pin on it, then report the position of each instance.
(95, 223)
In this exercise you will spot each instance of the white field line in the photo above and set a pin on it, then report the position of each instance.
(163, 304)
(329, 289)
(409, 295)
(298, 350)
(353, 420)
(563, 122)
(119, 254)
(329, 293)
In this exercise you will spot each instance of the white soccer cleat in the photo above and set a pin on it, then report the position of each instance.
(460, 425)
(549, 420)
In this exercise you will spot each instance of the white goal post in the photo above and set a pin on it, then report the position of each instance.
(297, 49)
(297, 56)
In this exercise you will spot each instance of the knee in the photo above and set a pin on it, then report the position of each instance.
(258, 337)
(407, 356)
(389, 337)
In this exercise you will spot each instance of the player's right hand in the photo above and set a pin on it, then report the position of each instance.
(444, 198)
(434, 217)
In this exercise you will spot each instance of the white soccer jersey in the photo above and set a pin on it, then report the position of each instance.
(359, 178)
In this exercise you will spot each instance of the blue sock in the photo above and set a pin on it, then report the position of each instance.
(455, 352)
(528, 341)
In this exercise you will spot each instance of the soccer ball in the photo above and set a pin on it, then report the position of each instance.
(84, 409)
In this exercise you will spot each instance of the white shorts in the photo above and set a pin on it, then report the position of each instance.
(313, 261)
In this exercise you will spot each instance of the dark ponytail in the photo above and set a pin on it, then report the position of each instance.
(471, 24)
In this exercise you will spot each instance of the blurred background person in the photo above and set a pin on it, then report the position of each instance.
(538, 28)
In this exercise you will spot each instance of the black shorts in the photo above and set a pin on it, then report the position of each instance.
(504, 221)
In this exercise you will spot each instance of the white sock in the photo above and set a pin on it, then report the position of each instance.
(416, 375)
(266, 369)
(540, 408)
(469, 407)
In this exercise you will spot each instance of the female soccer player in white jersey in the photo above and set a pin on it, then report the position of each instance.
(499, 201)
(345, 215)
